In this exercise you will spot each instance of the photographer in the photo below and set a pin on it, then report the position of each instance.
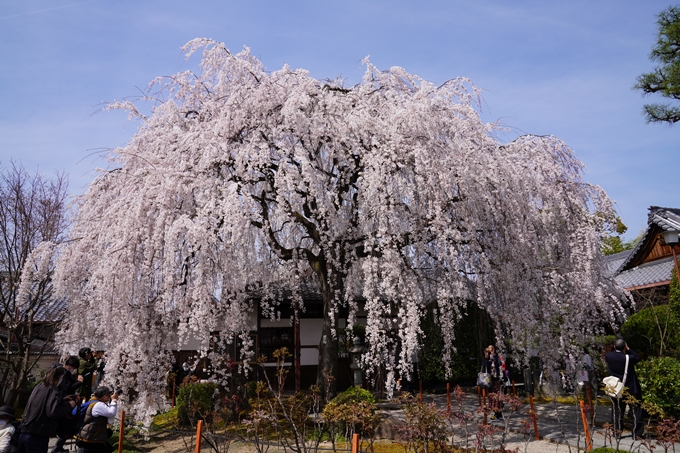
(66, 426)
(86, 369)
(94, 435)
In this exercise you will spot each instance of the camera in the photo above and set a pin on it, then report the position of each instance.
(119, 391)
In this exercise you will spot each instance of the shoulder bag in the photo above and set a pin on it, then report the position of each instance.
(613, 386)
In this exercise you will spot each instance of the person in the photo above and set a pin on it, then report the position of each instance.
(491, 364)
(68, 385)
(94, 435)
(86, 369)
(6, 429)
(44, 408)
(101, 359)
(616, 361)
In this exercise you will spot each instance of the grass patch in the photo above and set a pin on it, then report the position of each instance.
(165, 421)
(128, 446)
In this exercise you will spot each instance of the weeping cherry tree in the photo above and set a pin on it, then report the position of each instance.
(391, 194)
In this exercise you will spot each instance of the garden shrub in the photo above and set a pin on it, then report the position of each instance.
(352, 411)
(652, 331)
(354, 395)
(660, 381)
(424, 428)
(196, 401)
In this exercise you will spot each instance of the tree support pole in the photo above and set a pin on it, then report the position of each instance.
(199, 436)
(533, 417)
(121, 431)
(484, 402)
(586, 429)
(355, 443)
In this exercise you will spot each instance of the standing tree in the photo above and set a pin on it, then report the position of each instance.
(244, 182)
(666, 77)
(32, 220)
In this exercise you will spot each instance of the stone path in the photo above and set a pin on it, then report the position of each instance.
(560, 427)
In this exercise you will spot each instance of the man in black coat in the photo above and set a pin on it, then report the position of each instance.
(617, 364)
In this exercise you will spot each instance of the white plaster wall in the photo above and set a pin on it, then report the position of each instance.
(310, 331)
(309, 356)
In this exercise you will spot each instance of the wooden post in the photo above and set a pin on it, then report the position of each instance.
(420, 385)
(174, 391)
(479, 396)
(122, 430)
(355, 443)
(591, 409)
(199, 435)
(448, 396)
(586, 429)
(533, 416)
(514, 390)
(484, 402)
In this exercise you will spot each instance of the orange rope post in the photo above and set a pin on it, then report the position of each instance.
(355, 443)
(591, 409)
(514, 389)
(122, 430)
(586, 429)
(420, 384)
(199, 435)
(479, 395)
(533, 416)
(448, 396)
(484, 402)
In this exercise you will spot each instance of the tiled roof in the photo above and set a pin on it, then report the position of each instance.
(51, 311)
(646, 274)
(615, 261)
(667, 218)
(664, 219)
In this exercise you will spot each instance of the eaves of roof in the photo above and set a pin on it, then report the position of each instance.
(658, 219)
(646, 275)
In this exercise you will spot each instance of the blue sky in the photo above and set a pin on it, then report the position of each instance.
(560, 68)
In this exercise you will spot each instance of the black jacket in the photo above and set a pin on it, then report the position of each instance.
(68, 384)
(44, 408)
(617, 364)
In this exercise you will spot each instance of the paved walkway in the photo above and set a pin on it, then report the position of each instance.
(560, 427)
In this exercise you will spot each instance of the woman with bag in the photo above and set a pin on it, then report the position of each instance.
(491, 365)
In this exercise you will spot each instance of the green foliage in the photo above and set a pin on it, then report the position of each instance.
(660, 381)
(354, 395)
(165, 421)
(473, 332)
(652, 331)
(352, 411)
(674, 293)
(665, 79)
(128, 446)
(196, 401)
(614, 244)
(607, 450)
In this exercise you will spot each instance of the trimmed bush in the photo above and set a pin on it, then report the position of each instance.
(652, 331)
(352, 411)
(353, 395)
(660, 382)
(196, 401)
